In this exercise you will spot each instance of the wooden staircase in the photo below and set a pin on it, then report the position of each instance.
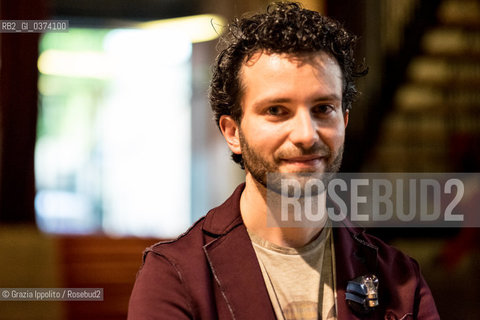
(434, 123)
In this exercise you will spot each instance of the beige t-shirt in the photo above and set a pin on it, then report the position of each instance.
(300, 281)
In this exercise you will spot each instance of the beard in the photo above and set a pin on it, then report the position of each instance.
(267, 172)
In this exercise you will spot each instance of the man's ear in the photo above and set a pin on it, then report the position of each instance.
(345, 117)
(230, 130)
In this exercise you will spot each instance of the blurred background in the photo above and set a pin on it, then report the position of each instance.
(107, 142)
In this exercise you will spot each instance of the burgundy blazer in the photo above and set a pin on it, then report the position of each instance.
(211, 272)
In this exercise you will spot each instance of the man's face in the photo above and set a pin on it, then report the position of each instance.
(292, 114)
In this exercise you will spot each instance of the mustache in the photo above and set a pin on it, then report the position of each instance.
(316, 149)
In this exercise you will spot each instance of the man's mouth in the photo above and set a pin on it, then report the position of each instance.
(306, 161)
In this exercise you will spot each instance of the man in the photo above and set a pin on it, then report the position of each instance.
(281, 92)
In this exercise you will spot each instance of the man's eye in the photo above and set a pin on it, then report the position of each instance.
(274, 111)
(323, 109)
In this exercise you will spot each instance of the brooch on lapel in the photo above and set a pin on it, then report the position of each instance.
(362, 293)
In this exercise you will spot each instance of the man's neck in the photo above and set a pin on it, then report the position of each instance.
(253, 208)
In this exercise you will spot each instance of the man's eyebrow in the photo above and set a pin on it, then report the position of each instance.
(330, 97)
(274, 100)
(266, 101)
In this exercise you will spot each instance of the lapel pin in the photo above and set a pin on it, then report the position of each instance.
(362, 293)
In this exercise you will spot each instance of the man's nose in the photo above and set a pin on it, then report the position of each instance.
(304, 130)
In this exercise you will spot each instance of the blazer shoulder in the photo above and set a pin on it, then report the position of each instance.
(184, 246)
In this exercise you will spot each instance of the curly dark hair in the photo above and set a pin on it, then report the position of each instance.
(286, 27)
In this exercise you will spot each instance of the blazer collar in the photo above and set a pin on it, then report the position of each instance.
(234, 263)
(354, 257)
(222, 219)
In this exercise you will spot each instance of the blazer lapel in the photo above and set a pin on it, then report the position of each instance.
(238, 276)
(353, 258)
(234, 264)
